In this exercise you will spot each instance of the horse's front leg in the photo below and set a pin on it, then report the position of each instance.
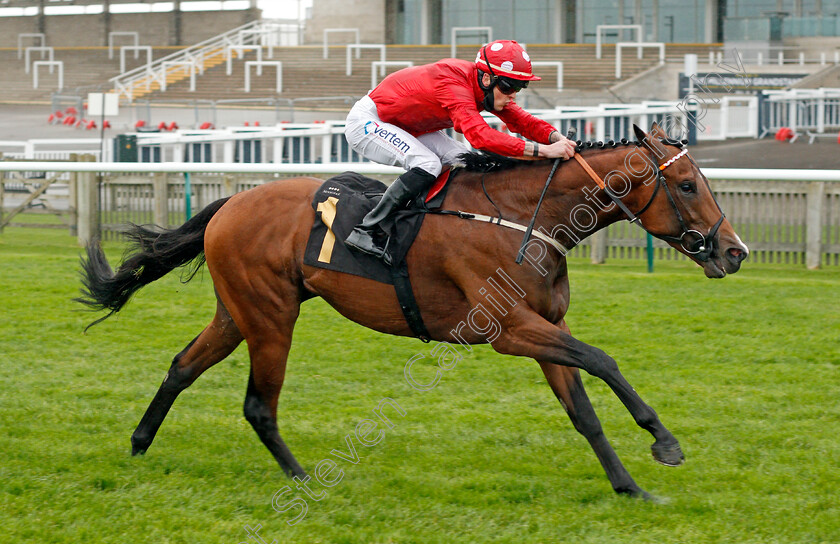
(568, 387)
(529, 335)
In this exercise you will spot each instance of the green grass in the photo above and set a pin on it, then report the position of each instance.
(745, 372)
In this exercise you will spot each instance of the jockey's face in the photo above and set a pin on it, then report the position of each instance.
(500, 100)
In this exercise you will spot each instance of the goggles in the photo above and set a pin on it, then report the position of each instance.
(510, 86)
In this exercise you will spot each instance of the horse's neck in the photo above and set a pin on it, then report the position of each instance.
(573, 208)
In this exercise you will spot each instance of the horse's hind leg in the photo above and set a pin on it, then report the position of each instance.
(214, 343)
(568, 387)
(269, 349)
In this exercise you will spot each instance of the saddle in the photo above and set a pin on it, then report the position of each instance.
(340, 204)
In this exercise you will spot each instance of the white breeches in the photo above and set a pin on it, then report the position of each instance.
(385, 143)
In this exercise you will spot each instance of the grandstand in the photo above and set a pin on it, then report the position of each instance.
(307, 74)
(85, 69)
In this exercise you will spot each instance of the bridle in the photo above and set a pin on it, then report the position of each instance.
(691, 241)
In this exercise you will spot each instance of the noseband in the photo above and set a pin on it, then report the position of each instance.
(691, 240)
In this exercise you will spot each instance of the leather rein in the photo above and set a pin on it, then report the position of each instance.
(692, 241)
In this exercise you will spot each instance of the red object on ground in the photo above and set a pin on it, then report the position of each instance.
(784, 134)
(140, 123)
(58, 114)
(90, 125)
(172, 126)
(51, 118)
(206, 125)
(71, 111)
(162, 125)
(256, 123)
(106, 124)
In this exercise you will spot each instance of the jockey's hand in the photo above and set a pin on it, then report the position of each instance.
(563, 148)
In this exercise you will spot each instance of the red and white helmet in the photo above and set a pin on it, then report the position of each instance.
(505, 58)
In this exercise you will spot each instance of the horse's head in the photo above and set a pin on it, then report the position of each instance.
(682, 210)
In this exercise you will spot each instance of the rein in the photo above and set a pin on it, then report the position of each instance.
(530, 228)
(698, 246)
(600, 183)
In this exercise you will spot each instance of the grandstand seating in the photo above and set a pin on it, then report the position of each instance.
(307, 74)
(87, 67)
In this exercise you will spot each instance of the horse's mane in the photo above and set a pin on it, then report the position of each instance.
(485, 161)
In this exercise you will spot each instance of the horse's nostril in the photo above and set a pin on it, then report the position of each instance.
(737, 254)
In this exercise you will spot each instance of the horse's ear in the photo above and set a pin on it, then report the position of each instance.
(640, 134)
(656, 131)
(650, 141)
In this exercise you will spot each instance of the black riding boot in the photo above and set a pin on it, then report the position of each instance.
(404, 189)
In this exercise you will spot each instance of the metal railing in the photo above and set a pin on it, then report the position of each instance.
(800, 110)
(145, 76)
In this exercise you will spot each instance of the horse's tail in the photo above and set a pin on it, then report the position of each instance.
(153, 254)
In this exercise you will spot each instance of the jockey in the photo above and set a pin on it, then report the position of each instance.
(402, 122)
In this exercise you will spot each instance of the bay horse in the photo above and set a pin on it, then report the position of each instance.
(254, 241)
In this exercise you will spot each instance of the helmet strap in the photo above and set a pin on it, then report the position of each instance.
(489, 100)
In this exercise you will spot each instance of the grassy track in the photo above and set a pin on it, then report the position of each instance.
(745, 371)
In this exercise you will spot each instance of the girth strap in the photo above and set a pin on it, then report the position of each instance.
(408, 304)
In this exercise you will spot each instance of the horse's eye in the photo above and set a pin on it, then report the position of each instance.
(688, 187)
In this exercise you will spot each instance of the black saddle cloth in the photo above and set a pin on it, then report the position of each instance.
(340, 204)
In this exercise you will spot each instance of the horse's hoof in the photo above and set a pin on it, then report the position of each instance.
(298, 471)
(639, 493)
(656, 499)
(670, 455)
(635, 492)
(138, 446)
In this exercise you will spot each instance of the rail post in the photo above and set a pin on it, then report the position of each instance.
(187, 196)
(598, 250)
(2, 195)
(87, 194)
(229, 184)
(72, 197)
(160, 183)
(813, 224)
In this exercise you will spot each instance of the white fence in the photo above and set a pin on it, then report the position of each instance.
(731, 116)
(325, 143)
(287, 143)
(734, 116)
(816, 110)
(50, 149)
(785, 216)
